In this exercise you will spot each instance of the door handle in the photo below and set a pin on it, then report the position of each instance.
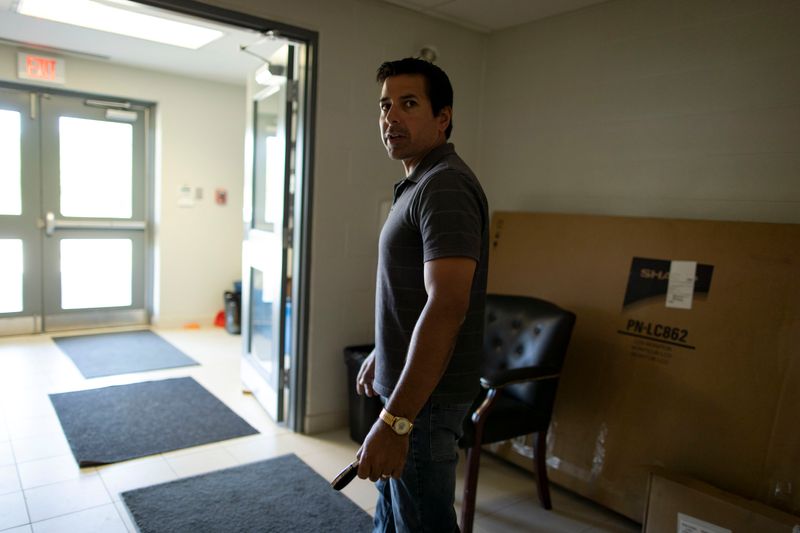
(49, 223)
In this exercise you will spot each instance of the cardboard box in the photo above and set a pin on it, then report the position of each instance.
(702, 378)
(679, 504)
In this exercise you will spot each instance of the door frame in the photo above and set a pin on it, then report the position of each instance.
(302, 231)
(149, 110)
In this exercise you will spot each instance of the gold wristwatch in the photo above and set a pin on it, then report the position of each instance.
(399, 425)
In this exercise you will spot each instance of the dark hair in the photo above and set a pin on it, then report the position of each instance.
(437, 84)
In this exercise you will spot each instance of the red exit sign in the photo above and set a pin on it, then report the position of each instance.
(40, 68)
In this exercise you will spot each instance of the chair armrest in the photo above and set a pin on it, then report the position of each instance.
(512, 376)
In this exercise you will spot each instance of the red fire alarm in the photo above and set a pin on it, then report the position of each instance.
(221, 196)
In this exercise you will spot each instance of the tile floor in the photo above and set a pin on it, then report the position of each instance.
(43, 490)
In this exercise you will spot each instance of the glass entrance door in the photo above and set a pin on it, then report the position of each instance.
(268, 246)
(82, 229)
(20, 237)
(93, 173)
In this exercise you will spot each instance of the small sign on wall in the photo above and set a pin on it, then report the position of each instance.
(38, 67)
(186, 195)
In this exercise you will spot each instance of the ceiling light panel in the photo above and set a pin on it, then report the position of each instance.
(102, 17)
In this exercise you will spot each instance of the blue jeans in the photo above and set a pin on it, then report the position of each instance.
(422, 499)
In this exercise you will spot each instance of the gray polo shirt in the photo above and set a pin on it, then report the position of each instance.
(438, 211)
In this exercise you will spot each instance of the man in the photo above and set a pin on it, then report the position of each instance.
(431, 288)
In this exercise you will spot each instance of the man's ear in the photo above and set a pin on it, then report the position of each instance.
(444, 117)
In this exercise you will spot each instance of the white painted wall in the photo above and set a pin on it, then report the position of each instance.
(200, 139)
(352, 173)
(679, 108)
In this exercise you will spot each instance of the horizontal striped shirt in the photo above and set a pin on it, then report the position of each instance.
(438, 211)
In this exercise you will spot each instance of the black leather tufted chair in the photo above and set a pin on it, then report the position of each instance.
(524, 343)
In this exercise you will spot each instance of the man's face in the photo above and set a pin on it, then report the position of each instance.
(408, 128)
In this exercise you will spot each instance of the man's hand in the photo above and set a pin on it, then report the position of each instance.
(366, 375)
(383, 453)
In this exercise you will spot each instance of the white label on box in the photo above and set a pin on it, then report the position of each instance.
(680, 288)
(689, 524)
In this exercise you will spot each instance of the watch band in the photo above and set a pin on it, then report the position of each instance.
(399, 425)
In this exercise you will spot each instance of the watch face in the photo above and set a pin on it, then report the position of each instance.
(402, 426)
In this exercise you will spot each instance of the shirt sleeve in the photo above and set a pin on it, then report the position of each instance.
(450, 217)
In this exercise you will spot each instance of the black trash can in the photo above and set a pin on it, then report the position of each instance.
(233, 303)
(363, 409)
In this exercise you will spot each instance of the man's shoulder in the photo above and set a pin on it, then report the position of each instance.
(442, 159)
(450, 168)
(447, 187)
(450, 175)
(439, 186)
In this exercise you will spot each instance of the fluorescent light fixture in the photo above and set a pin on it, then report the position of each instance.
(99, 16)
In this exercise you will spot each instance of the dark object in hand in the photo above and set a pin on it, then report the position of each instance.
(345, 476)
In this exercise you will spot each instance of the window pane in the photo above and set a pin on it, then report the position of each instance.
(96, 273)
(273, 183)
(261, 321)
(10, 197)
(11, 268)
(96, 168)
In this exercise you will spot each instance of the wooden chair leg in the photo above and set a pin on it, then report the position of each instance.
(474, 461)
(470, 488)
(539, 463)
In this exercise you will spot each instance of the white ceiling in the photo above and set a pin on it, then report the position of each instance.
(493, 15)
(222, 60)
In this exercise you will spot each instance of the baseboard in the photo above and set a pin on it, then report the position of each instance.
(322, 422)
